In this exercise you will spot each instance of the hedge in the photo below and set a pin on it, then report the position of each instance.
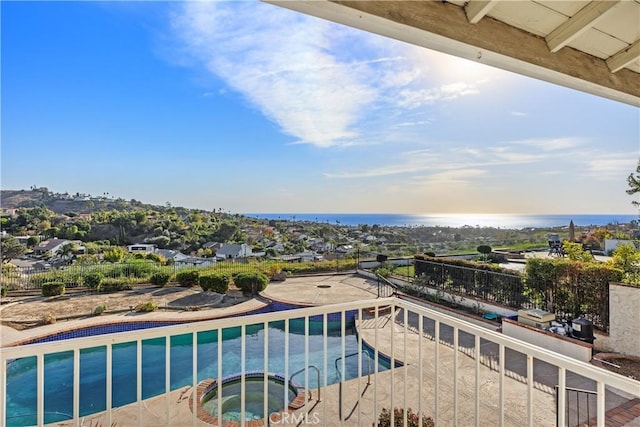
(188, 277)
(93, 280)
(215, 283)
(159, 279)
(114, 285)
(246, 282)
(52, 289)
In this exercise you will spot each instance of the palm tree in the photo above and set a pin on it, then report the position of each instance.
(634, 183)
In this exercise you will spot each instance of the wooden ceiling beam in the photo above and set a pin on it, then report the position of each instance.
(623, 58)
(578, 24)
(477, 9)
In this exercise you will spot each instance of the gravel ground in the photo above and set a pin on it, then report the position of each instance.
(24, 312)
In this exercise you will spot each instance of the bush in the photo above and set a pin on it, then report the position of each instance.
(114, 285)
(52, 289)
(48, 319)
(188, 278)
(273, 269)
(215, 283)
(3, 291)
(99, 310)
(146, 307)
(93, 280)
(384, 420)
(250, 282)
(484, 249)
(160, 279)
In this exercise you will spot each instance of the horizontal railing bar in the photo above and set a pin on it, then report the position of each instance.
(579, 390)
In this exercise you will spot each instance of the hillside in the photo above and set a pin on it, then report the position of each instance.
(62, 203)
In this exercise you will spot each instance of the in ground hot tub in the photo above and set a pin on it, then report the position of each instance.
(230, 394)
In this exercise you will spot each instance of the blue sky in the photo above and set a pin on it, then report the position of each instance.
(248, 107)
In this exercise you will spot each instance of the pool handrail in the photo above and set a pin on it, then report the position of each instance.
(356, 354)
(304, 369)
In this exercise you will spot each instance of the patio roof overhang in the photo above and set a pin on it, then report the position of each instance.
(592, 46)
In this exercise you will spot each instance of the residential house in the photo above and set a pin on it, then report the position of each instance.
(145, 248)
(50, 247)
(171, 255)
(214, 246)
(233, 251)
(308, 256)
(194, 262)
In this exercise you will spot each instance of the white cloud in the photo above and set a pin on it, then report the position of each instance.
(323, 84)
(611, 166)
(551, 144)
(417, 98)
(518, 114)
(455, 177)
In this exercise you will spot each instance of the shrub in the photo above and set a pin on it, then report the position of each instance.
(52, 289)
(146, 306)
(160, 279)
(157, 258)
(273, 269)
(48, 319)
(99, 310)
(115, 254)
(188, 278)
(484, 249)
(384, 419)
(250, 282)
(3, 291)
(114, 285)
(215, 283)
(92, 280)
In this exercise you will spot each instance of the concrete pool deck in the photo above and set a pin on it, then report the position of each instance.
(321, 290)
(303, 291)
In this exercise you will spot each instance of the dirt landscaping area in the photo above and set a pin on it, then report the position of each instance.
(30, 311)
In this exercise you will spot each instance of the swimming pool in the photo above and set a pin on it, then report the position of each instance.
(58, 367)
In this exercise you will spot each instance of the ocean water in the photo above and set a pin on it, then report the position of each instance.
(507, 221)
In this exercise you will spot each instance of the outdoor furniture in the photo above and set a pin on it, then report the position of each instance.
(555, 248)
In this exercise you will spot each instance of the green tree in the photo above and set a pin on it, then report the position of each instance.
(634, 184)
(33, 241)
(626, 257)
(68, 249)
(575, 252)
(11, 248)
(114, 254)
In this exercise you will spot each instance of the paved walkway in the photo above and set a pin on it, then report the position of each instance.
(321, 290)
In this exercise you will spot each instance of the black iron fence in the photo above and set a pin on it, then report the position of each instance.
(568, 291)
(385, 287)
(140, 271)
(493, 287)
(580, 407)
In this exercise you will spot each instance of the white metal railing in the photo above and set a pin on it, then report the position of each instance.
(442, 382)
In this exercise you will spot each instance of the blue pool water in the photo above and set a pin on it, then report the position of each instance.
(58, 371)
